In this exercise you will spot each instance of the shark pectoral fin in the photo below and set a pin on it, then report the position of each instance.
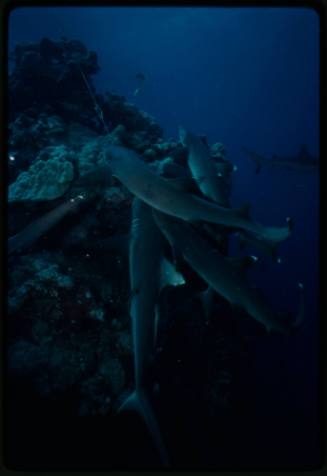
(169, 276)
(242, 264)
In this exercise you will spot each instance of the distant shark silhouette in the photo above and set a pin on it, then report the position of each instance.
(303, 161)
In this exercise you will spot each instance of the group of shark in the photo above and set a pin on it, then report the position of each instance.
(180, 211)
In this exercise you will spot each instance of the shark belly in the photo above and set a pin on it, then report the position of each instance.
(145, 259)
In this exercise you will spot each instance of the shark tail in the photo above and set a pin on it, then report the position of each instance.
(140, 403)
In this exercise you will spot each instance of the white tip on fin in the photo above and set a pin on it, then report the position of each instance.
(169, 275)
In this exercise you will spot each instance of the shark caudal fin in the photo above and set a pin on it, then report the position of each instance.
(139, 403)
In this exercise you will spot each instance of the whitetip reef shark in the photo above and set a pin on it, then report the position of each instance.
(145, 268)
(225, 275)
(303, 161)
(160, 194)
(211, 185)
(203, 168)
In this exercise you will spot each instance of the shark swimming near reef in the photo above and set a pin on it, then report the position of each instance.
(160, 194)
(302, 162)
(212, 185)
(225, 275)
(210, 179)
(145, 257)
(203, 168)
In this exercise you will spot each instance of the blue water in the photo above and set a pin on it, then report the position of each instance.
(241, 76)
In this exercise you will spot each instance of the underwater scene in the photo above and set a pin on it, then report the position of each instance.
(163, 238)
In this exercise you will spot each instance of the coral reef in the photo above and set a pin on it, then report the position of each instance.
(47, 178)
(69, 315)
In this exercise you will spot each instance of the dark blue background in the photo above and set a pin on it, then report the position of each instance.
(242, 76)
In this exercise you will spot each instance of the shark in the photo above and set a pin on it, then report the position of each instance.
(210, 179)
(203, 168)
(30, 234)
(226, 275)
(163, 196)
(212, 186)
(302, 161)
(246, 240)
(145, 257)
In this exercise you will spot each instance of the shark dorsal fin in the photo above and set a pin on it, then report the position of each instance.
(169, 276)
(242, 264)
